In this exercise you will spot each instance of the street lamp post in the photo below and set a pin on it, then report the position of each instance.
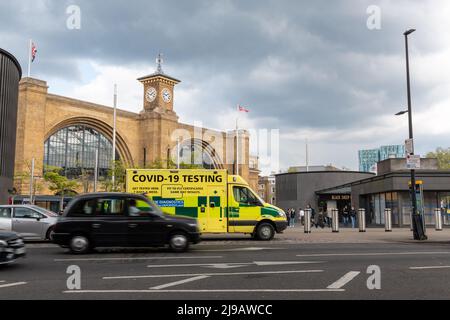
(418, 230)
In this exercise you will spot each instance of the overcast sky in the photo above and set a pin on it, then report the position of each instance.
(312, 69)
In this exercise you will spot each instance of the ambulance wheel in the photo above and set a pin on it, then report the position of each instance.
(265, 231)
(178, 242)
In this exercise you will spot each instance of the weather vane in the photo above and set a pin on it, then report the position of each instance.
(159, 61)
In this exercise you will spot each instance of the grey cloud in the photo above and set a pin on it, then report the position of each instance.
(335, 73)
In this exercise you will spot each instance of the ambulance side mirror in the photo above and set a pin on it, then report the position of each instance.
(212, 204)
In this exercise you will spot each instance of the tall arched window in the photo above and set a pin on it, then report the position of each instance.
(192, 152)
(73, 148)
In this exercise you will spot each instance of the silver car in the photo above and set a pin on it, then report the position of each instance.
(30, 221)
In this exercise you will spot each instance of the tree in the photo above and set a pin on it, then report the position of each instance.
(23, 177)
(58, 183)
(119, 171)
(443, 156)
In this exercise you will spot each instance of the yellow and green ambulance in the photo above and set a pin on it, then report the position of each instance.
(221, 203)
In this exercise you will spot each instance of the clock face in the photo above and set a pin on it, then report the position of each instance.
(150, 94)
(166, 95)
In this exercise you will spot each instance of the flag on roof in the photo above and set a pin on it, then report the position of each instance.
(33, 52)
(242, 109)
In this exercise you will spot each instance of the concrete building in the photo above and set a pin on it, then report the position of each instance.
(328, 167)
(65, 132)
(298, 189)
(390, 189)
(267, 189)
(368, 159)
(10, 74)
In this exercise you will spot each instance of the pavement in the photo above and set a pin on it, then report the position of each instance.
(295, 266)
(345, 235)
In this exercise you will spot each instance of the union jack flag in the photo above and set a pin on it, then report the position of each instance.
(242, 109)
(33, 51)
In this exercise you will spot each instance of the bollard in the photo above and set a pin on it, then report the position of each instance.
(362, 220)
(411, 223)
(387, 220)
(438, 217)
(334, 220)
(307, 223)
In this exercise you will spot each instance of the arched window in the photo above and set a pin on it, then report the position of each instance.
(73, 148)
(194, 153)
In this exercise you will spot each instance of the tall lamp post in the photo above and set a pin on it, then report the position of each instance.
(418, 228)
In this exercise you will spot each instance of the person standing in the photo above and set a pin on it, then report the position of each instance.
(353, 216)
(328, 214)
(292, 217)
(345, 215)
(301, 214)
(288, 216)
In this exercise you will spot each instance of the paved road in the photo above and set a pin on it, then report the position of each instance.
(235, 270)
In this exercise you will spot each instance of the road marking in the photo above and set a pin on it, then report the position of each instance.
(429, 267)
(171, 284)
(204, 291)
(136, 258)
(210, 274)
(241, 249)
(232, 264)
(343, 280)
(12, 284)
(372, 254)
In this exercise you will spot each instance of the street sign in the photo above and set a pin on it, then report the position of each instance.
(412, 161)
(409, 146)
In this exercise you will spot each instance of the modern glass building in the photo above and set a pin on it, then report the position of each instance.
(368, 158)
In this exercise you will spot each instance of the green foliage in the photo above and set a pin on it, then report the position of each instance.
(120, 170)
(443, 156)
(23, 177)
(58, 183)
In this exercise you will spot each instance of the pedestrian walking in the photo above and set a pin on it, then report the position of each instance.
(353, 216)
(288, 216)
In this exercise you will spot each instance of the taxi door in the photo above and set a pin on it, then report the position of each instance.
(216, 203)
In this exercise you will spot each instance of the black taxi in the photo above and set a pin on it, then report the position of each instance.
(111, 219)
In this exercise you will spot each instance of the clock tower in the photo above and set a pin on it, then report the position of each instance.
(158, 90)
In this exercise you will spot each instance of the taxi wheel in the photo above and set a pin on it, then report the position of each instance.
(79, 244)
(178, 242)
(265, 231)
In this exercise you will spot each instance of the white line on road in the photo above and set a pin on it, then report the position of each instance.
(171, 284)
(343, 280)
(238, 249)
(209, 274)
(225, 265)
(204, 291)
(12, 284)
(372, 254)
(136, 258)
(429, 267)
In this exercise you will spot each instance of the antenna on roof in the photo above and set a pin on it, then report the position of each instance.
(159, 62)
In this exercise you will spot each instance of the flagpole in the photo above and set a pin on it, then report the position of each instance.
(178, 153)
(29, 58)
(237, 145)
(113, 177)
(307, 155)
